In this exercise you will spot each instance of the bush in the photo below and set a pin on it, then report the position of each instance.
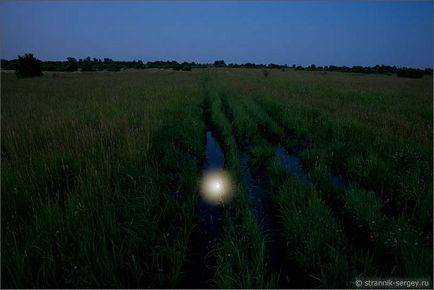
(113, 67)
(53, 66)
(299, 68)
(28, 66)
(177, 67)
(410, 73)
(9, 64)
(87, 65)
(140, 65)
(186, 68)
(49, 67)
(71, 64)
(219, 63)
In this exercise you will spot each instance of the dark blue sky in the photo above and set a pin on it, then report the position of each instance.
(300, 32)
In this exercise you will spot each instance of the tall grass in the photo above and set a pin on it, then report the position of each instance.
(97, 189)
(376, 135)
(99, 176)
(241, 257)
(334, 140)
(306, 223)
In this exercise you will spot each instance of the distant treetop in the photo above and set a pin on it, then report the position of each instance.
(28, 65)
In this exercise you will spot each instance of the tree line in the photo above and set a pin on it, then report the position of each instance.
(28, 65)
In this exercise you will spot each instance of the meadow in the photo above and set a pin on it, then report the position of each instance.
(332, 175)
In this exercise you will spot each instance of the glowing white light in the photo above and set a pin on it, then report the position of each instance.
(216, 187)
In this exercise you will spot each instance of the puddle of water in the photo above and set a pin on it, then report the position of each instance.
(262, 213)
(214, 157)
(208, 228)
(263, 210)
(209, 214)
(258, 199)
(253, 188)
(293, 165)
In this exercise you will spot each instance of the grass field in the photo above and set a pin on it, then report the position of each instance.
(99, 179)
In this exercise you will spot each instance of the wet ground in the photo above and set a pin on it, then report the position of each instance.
(288, 273)
(197, 271)
(293, 165)
(262, 209)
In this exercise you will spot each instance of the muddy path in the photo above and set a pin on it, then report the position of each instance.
(290, 158)
(256, 183)
(287, 273)
(198, 269)
(359, 235)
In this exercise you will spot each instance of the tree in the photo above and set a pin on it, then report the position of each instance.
(28, 66)
(53, 66)
(140, 65)
(9, 64)
(71, 64)
(219, 63)
(176, 66)
(113, 67)
(299, 68)
(273, 65)
(410, 73)
(87, 65)
(312, 67)
(186, 68)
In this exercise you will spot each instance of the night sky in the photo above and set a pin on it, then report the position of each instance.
(282, 32)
